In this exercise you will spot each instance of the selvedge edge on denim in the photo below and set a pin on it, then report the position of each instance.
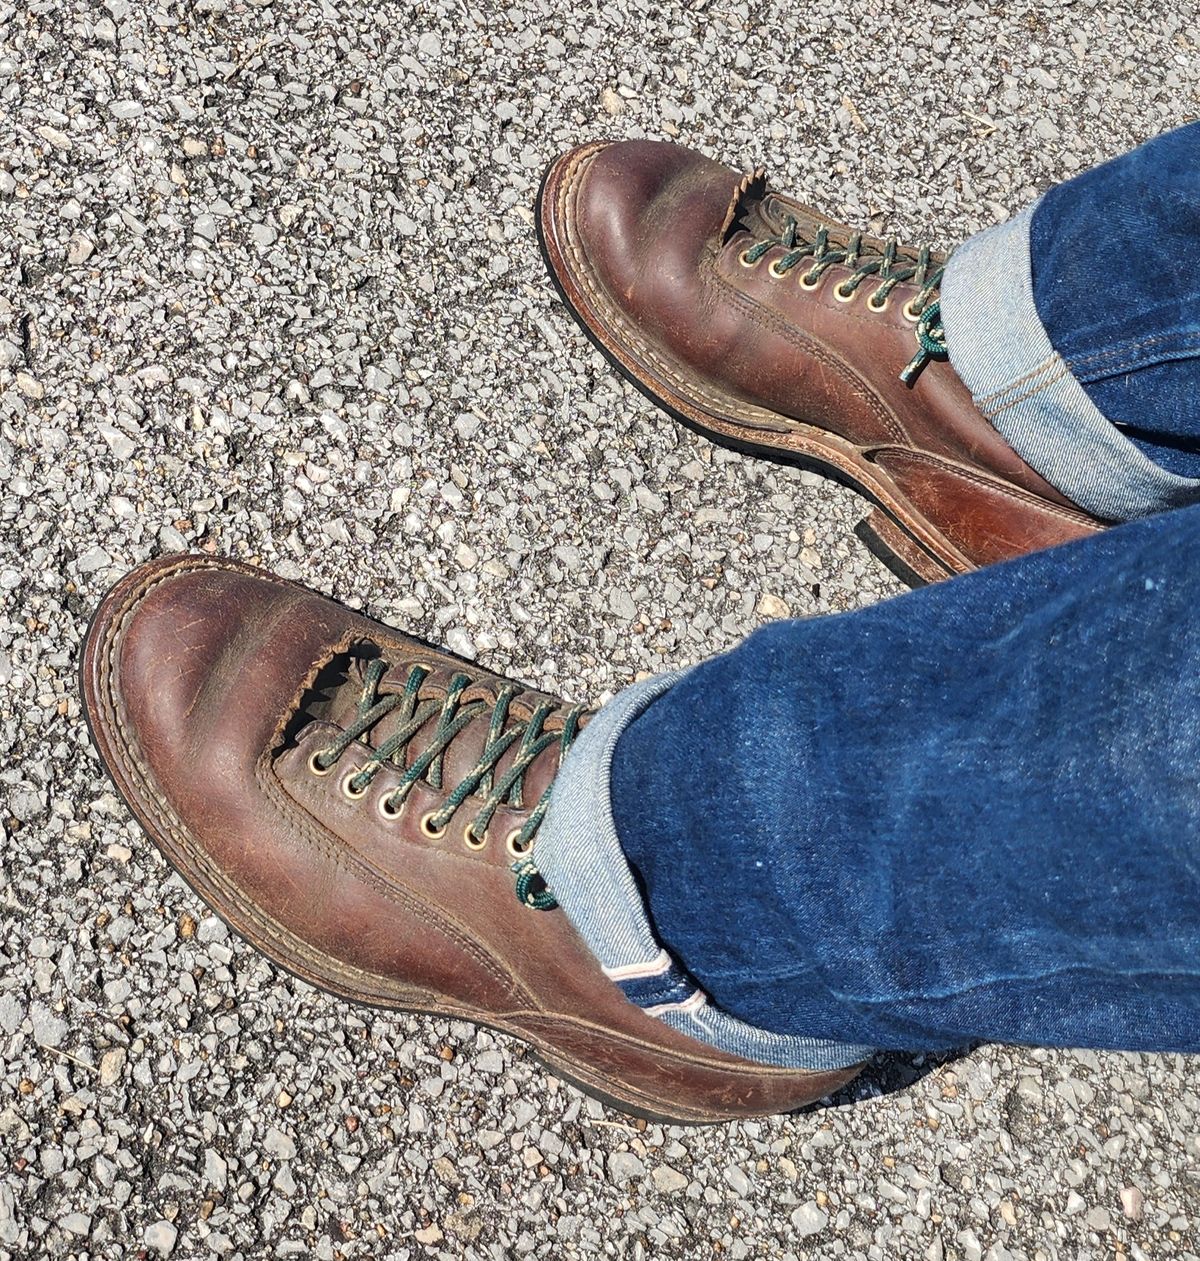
(1001, 351)
(580, 856)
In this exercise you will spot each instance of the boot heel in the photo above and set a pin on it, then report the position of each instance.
(899, 551)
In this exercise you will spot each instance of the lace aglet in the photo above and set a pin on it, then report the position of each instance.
(912, 369)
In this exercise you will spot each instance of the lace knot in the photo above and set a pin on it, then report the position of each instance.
(931, 342)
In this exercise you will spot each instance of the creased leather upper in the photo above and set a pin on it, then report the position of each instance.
(648, 249)
(193, 671)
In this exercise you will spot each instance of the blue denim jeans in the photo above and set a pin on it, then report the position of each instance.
(1076, 327)
(972, 811)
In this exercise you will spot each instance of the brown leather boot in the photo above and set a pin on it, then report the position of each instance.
(361, 807)
(775, 330)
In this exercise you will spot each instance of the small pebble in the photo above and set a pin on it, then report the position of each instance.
(160, 1237)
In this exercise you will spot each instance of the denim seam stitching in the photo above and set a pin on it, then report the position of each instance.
(949, 992)
(1061, 371)
(1138, 345)
(1045, 366)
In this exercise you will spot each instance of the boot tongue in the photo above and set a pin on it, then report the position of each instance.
(764, 214)
(744, 213)
(775, 214)
(342, 708)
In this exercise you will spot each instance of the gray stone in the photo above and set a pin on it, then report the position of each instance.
(737, 1180)
(91, 560)
(622, 1166)
(160, 1237)
(809, 1219)
(11, 1013)
(668, 1180)
(49, 1029)
(279, 1144)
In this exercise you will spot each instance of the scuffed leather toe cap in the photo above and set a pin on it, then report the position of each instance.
(634, 217)
(189, 666)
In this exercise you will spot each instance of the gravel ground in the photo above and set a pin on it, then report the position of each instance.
(270, 288)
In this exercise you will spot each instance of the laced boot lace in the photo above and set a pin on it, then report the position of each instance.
(888, 265)
(451, 716)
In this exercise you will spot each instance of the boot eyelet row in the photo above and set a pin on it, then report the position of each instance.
(809, 283)
(390, 812)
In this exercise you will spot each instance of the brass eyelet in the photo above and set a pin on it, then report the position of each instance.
(775, 271)
(315, 766)
(471, 841)
(428, 830)
(843, 295)
(907, 311)
(510, 844)
(877, 306)
(387, 810)
(348, 791)
(810, 282)
(745, 262)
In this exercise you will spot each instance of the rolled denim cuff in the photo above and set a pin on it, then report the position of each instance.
(579, 855)
(1001, 351)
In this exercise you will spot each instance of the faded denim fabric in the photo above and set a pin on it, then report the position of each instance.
(972, 811)
(1076, 327)
(1115, 281)
(578, 853)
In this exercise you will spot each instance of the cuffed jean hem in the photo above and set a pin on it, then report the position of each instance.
(580, 857)
(1001, 351)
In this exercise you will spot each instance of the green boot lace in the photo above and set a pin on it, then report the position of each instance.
(887, 265)
(453, 716)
